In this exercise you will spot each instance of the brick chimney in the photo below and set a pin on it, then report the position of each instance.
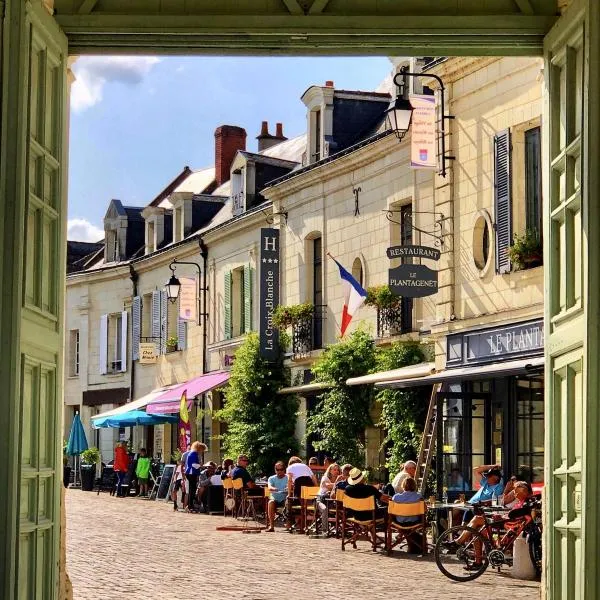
(266, 140)
(228, 140)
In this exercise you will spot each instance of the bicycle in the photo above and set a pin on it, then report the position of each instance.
(491, 544)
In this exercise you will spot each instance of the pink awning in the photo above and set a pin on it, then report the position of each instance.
(169, 401)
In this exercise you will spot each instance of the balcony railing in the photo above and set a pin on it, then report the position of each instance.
(395, 320)
(307, 334)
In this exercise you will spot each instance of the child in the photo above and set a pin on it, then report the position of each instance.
(142, 472)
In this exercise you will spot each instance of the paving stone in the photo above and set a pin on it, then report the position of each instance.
(139, 549)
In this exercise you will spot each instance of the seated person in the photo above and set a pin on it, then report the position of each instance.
(299, 476)
(491, 485)
(341, 483)
(313, 461)
(456, 482)
(206, 473)
(226, 468)
(241, 472)
(278, 487)
(358, 488)
(409, 495)
(328, 480)
(521, 492)
(409, 469)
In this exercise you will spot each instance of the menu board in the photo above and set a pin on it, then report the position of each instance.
(165, 482)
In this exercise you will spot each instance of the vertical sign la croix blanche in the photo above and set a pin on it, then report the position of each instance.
(269, 293)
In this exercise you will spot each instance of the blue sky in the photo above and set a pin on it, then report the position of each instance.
(137, 121)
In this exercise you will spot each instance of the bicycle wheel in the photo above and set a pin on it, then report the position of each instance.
(465, 561)
(534, 541)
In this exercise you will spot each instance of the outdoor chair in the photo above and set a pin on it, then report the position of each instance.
(339, 508)
(280, 511)
(107, 481)
(403, 531)
(308, 495)
(354, 529)
(228, 498)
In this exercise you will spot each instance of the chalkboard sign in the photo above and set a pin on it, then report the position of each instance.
(165, 482)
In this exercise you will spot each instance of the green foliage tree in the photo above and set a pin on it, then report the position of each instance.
(337, 424)
(260, 423)
(402, 411)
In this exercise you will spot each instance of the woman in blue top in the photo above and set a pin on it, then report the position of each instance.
(192, 471)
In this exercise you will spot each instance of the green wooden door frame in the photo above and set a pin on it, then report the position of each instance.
(31, 304)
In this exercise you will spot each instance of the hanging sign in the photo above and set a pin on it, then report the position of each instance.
(187, 299)
(423, 141)
(413, 281)
(413, 252)
(147, 353)
(269, 293)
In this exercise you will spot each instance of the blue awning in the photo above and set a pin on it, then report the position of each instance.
(132, 418)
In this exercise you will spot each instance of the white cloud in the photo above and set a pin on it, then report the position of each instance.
(81, 230)
(93, 72)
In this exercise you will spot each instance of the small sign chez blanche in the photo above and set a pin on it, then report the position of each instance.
(413, 252)
(413, 281)
(269, 293)
(147, 353)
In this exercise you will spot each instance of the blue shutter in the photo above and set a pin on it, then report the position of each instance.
(163, 322)
(136, 327)
(502, 199)
(155, 329)
(227, 302)
(181, 334)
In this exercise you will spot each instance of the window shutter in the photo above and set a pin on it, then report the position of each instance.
(248, 274)
(103, 365)
(227, 295)
(155, 329)
(181, 334)
(136, 327)
(123, 342)
(502, 199)
(163, 322)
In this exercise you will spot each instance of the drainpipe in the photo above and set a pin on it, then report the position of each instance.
(204, 255)
(134, 280)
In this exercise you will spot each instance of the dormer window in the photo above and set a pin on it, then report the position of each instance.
(319, 102)
(238, 195)
(316, 140)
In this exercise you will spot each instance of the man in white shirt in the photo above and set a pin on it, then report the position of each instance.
(409, 469)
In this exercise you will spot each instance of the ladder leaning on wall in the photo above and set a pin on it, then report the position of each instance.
(427, 448)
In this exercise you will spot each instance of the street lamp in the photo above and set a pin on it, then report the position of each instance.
(173, 286)
(399, 113)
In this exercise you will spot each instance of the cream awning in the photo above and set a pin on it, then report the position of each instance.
(138, 404)
(418, 370)
(501, 369)
(306, 388)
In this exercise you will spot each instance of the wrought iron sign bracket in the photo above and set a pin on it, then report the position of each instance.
(269, 218)
(437, 235)
(356, 191)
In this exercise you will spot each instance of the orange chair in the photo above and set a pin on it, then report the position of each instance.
(308, 495)
(354, 529)
(402, 531)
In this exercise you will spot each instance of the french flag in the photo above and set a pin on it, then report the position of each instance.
(354, 295)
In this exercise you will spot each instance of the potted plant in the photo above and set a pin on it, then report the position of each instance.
(66, 466)
(288, 316)
(381, 297)
(526, 250)
(89, 459)
(172, 344)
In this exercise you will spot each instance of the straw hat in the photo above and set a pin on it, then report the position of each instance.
(356, 476)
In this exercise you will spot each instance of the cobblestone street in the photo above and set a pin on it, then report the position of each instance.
(140, 549)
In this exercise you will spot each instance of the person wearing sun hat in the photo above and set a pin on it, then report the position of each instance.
(359, 488)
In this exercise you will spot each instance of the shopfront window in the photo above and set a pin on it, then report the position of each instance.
(530, 429)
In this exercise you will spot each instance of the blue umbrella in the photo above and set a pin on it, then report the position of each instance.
(132, 418)
(77, 440)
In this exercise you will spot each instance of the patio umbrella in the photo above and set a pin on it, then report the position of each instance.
(77, 442)
(132, 418)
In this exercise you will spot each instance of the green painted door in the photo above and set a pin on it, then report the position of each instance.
(32, 276)
(572, 246)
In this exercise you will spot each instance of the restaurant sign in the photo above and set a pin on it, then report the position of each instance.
(413, 281)
(490, 345)
(147, 353)
(413, 252)
(269, 293)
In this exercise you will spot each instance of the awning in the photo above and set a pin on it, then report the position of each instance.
(502, 369)
(105, 396)
(304, 389)
(133, 418)
(138, 404)
(169, 401)
(418, 370)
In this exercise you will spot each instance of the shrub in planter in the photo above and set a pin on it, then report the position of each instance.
(89, 459)
(287, 316)
(526, 250)
(380, 297)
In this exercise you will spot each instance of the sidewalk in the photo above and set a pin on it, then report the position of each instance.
(138, 549)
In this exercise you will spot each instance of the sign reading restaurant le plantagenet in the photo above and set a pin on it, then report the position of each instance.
(269, 293)
(413, 281)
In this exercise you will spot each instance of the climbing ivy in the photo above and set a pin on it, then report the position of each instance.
(260, 422)
(337, 423)
(402, 411)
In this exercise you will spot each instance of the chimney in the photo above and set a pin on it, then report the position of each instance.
(228, 140)
(266, 140)
(329, 84)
